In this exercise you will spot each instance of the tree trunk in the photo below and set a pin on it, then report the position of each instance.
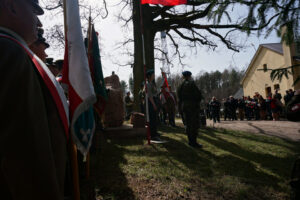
(149, 33)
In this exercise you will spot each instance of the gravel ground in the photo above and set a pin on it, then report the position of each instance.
(283, 129)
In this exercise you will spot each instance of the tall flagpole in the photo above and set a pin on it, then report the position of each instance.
(72, 146)
(144, 63)
(87, 164)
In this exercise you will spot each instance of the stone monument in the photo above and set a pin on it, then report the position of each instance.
(114, 110)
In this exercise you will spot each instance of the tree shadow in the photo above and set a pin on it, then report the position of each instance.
(261, 131)
(109, 179)
(263, 138)
(279, 166)
(250, 167)
(240, 163)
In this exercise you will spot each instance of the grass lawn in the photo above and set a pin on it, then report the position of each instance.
(232, 165)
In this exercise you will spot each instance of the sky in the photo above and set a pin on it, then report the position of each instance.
(196, 60)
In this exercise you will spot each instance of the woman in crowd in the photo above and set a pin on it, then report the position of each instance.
(262, 108)
(275, 107)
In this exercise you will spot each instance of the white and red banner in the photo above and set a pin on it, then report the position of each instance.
(76, 75)
(164, 2)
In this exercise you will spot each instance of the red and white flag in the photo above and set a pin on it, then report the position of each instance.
(164, 2)
(77, 76)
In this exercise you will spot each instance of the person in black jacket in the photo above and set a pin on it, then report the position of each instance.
(33, 144)
(215, 109)
(227, 114)
(241, 108)
(293, 107)
(189, 97)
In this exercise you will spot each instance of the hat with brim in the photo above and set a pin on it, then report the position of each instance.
(186, 73)
(38, 9)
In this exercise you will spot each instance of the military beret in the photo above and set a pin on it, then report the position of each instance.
(149, 72)
(37, 7)
(186, 73)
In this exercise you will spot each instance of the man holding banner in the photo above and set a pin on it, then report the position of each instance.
(33, 134)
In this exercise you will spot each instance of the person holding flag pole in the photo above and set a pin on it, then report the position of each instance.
(150, 93)
(151, 96)
(164, 3)
(168, 100)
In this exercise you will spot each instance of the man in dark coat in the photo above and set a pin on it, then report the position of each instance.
(232, 108)
(227, 109)
(215, 106)
(32, 138)
(189, 97)
(293, 107)
(241, 108)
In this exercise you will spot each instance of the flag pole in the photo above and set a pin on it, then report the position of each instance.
(144, 63)
(87, 165)
(72, 146)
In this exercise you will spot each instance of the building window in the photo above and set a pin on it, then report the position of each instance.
(276, 87)
(265, 67)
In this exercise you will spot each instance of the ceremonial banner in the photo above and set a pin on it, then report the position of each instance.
(171, 2)
(76, 75)
(96, 69)
(165, 84)
(164, 2)
(166, 92)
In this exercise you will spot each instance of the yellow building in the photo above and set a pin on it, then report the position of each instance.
(270, 56)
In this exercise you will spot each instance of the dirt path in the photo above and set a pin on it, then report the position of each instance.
(283, 129)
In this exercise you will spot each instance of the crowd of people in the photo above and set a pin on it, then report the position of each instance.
(255, 108)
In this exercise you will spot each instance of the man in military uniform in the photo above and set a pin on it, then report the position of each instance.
(152, 105)
(189, 97)
(33, 149)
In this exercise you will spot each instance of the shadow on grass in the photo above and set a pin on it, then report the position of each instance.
(254, 168)
(278, 165)
(109, 179)
(239, 162)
